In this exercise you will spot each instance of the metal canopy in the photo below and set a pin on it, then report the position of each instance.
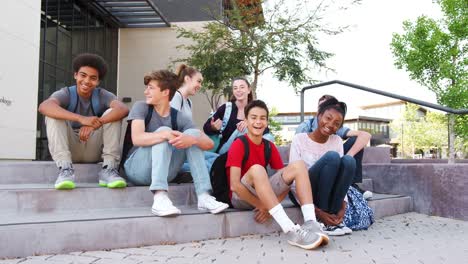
(132, 13)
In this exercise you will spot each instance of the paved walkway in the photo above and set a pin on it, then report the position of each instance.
(406, 238)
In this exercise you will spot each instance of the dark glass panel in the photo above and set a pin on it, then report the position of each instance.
(51, 31)
(50, 53)
(64, 49)
(60, 79)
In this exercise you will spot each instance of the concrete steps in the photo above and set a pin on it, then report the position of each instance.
(40, 198)
(383, 204)
(37, 219)
(29, 172)
(29, 233)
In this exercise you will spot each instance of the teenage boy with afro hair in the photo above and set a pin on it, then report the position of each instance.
(83, 124)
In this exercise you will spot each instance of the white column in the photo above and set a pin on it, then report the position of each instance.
(19, 73)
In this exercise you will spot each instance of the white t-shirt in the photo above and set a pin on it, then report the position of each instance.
(304, 148)
(183, 105)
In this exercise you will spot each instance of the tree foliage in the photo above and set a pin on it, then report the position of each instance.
(416, 131)
(275, 127)
(215, 59)
(262, 35)
(434, 52)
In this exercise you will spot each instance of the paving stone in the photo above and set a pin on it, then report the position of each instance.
(401, 239)
(72, 259)
(146, 258)
(105, 254)
(135, 251)
(115, 261)
(39, 261)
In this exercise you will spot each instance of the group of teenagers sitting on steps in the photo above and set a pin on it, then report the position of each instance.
(83, 124)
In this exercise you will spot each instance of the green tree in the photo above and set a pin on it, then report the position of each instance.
(275, 126)
(416, 131)
(256, 36)
(217, 62)
(434, 52)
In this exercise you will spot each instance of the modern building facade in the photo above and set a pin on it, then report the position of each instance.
(134, 36)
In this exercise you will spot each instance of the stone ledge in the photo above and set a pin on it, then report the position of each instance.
(436, 189)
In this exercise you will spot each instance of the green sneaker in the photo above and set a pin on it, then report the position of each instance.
(65, 179)
(110, 178)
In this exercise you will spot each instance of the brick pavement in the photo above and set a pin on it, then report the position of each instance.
(405, 238)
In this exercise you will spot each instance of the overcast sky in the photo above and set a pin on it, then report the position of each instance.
(362, 56)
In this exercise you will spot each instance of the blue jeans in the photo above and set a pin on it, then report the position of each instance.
(209, 160)
(159, 164)
(358, 157)
(330, 178)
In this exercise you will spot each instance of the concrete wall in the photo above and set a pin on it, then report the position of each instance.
(19, 67)
(436, 189)
(142, 50)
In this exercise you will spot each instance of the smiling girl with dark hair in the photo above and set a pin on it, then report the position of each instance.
(330, 172)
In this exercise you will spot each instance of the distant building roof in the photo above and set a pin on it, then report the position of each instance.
(381, 105)
(368, 118)
(398, 102)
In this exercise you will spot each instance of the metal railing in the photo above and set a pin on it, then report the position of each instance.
(375, 91)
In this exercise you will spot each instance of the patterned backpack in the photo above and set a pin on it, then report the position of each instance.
(358, 215)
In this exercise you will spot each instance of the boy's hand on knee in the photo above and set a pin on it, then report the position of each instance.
(167, 134)
(181, 140)
(85, 132)
(92, 121)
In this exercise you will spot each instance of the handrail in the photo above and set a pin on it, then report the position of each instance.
(371, 90)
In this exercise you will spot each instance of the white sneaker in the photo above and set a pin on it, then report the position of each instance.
(333, 230)
(345, 229)
(367, 195)
(304, 238)
(162, 205)
(208, 202)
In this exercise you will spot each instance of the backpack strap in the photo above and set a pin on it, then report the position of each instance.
(73, 105)
(267, 151)
(174, 119)
(148, 116)
(311, 124)
(189, 103)
(246, 149)
(226, 117)
(182, 101)
(95, 101)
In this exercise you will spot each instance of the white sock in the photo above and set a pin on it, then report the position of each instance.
(160, 194)
(308, 211)
(281, 218)
(203, 196)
